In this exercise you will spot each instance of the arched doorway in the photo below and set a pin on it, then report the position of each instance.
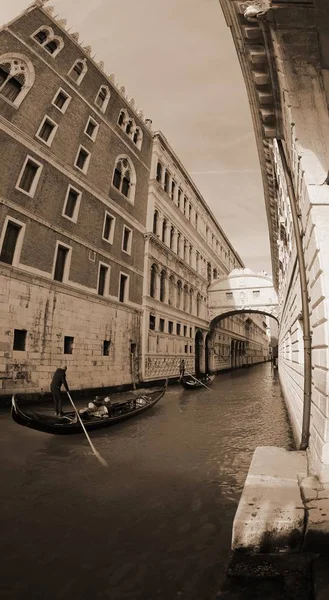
(198, 351)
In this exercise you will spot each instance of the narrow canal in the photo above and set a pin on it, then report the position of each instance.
(156, 524)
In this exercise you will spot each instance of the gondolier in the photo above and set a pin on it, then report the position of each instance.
(57, 381)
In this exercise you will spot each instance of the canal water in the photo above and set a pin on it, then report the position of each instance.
(156, 524)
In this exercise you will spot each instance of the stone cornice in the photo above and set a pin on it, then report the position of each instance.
(251, 34)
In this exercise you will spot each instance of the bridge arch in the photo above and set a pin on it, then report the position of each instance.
(242, 291)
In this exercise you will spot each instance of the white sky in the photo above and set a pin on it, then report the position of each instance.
(177, 59)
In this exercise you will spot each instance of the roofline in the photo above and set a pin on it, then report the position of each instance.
(40, 4)
(162, 138)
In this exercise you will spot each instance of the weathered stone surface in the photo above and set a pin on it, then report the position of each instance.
(270, 514)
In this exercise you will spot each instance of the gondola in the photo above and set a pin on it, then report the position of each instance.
(189, 383)
(63, 425)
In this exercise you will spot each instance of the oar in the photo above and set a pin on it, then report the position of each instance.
(97, 454)
(198, 380)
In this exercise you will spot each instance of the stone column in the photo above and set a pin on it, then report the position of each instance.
(159, 225)
(167, 234)
(202, 357)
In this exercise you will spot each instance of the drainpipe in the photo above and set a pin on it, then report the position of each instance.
(305, 306)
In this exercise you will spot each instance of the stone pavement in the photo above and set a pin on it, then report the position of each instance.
(280, 538)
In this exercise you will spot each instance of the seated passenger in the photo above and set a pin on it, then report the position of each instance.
(97, 408)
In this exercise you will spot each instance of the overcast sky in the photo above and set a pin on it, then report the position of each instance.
(177, 59)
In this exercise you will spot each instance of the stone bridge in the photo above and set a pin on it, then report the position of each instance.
(242, 291)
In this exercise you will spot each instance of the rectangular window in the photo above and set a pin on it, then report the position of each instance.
(173, 187)
(190, 332)
(47, 130)
(108, 228)
(61, 262)
(185, 330)
(9, 244)
(68, 344)
(161, 325)
(61, 100)
(170, 327)
(29, 176)
(152, 322)
(185, 205)
(103, 280)
(126, 239)
(123, 288)
(178, 328)
(179, 196)
(106, 347)
(19, 339)
(82, 159)
(72, 204)
(186, 348)
(91, 129)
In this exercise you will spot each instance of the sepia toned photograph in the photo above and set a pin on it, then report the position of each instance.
(164, 299)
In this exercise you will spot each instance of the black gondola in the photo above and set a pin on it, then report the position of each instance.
(64, 426)
(189, 383)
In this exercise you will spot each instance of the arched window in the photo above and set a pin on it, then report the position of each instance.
(198, 304)
(124, 178)
(164, 227)
(191, 301)
(185, 297)
(122, 117)
(46, 38)
(16, 77)
(179, 294)
(209, 272)
(138, 137)
(159, 172)
(102, 98)
(155, 222)
(171, 241)
(166, 181)
(153, 279)
(41, 35)
(163, 285)
(53, 46)
(78, 71)
(129, 127)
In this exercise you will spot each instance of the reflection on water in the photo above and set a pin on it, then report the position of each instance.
(156, 524)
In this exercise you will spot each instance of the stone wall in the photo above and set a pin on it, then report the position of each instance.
(306, 132)
(48, 312)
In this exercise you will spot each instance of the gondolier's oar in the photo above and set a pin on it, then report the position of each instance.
(198, 380)
(97, 454)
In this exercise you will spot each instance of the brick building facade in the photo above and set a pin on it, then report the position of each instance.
(75, 158)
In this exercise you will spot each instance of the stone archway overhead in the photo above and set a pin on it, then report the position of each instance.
(242, 290)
